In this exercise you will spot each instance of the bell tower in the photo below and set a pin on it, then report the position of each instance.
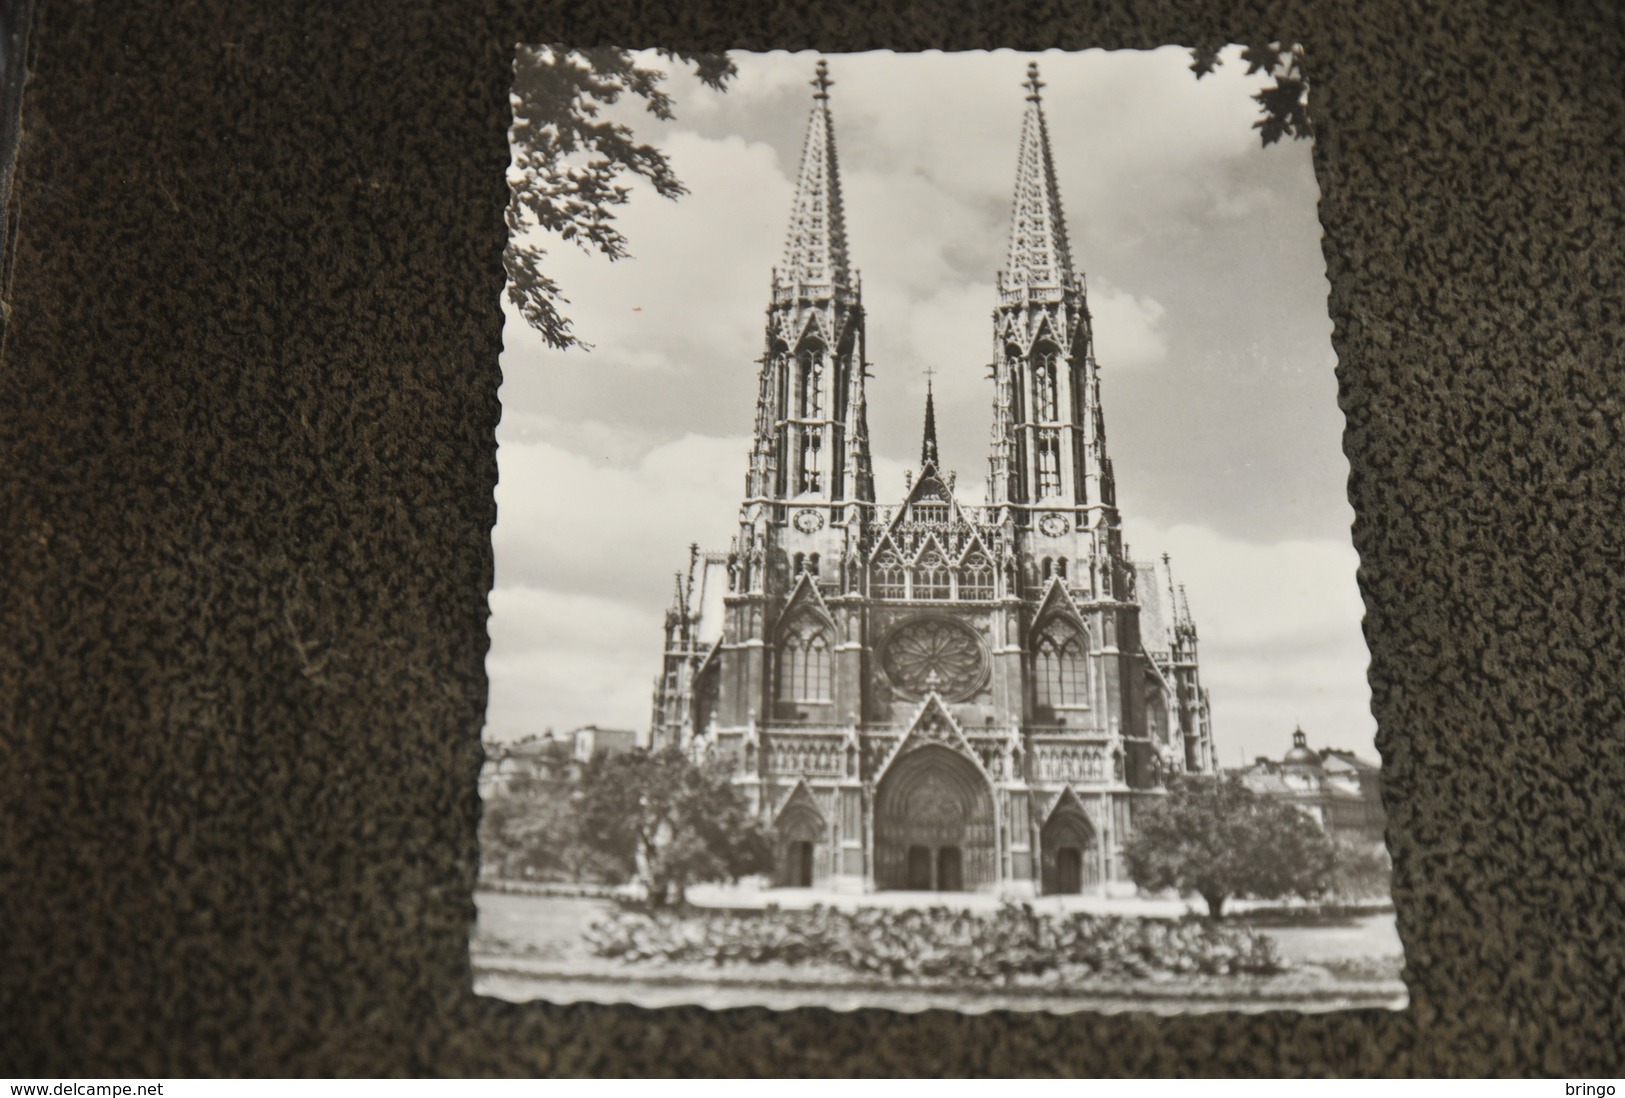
(1048, 466)
(811, 444)
(792, 649)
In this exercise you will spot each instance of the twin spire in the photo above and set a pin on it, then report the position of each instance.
(816, 264)
(1039, 252)
(815, 253)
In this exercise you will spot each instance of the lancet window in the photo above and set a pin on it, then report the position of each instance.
(812, 382)
(1044, 386)
(1049, 463)
(812, 473)
(976, 578)
(1017, 404)
(931, 578)
(1060, 674)
(890, 578)
(804, 661)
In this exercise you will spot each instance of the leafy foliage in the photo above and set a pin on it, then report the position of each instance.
(1362, 871)
(669, 821)
(1218, 839)
(570, 163)
(529, 832)
(939, 943)
(1283, 104)
(1205, 58)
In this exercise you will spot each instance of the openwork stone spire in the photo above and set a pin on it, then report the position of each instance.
(1039, 252)
(815, 253)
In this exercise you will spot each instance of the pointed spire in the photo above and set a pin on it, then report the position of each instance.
(815, 253)
(1039, 252)
(928, 444)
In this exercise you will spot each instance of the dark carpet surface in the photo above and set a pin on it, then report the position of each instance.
(247, 407)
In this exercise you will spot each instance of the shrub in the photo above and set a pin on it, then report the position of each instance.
(938, 943)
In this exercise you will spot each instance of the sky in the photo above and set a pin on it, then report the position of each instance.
(1207, 285)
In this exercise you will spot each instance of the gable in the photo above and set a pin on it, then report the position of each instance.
(1057, 604)
(805, 599)
(933, 725)
(799, 802)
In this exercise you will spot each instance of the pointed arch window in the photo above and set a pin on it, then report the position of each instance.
(976, 578)
(804, 661)
(812, 454)
(1013, 375)
(1060, 668)
(1044, 386)
(890, 578)
(811, 363)
(931, 578)
(1049, 463)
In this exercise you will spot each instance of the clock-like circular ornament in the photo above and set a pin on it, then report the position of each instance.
(935, 655)
(1053, 525)
(809, 521)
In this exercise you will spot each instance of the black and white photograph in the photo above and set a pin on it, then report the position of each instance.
(923, 572)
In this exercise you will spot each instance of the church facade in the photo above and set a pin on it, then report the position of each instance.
(932, 694)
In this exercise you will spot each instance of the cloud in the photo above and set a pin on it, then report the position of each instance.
(563, 660)
(659, 309)
(572, 522)
(1128, 329)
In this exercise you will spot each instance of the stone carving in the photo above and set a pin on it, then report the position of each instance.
(814, 756)
(1069, 763)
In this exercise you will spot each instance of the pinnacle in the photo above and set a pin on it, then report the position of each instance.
(815, 253)
(928, 444)
(1040, 254)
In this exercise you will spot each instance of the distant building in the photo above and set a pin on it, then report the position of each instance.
(1340, 790)
(549, 759)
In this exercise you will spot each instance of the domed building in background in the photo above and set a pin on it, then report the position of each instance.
(1340, 790)
(933, 694)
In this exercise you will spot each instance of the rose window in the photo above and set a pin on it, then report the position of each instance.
(935, 655)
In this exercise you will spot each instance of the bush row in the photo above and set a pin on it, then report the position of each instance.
(938, 943)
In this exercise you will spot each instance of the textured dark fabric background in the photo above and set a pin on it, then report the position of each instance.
(246, 424)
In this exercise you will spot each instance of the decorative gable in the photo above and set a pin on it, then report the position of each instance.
(806, 598)
(798, 801)
(1066, 801)
(933, 725)
(1057, 602)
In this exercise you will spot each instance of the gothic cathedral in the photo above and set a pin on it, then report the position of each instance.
(932, 695)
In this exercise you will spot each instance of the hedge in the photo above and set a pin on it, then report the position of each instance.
(938, 943)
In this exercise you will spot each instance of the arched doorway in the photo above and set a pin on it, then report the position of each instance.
(1071, 853)
(799, 831)
(934, 826)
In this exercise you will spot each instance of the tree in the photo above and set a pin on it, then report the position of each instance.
(1283, 104)
(670, 821)
(569, 163)
(523, 834)
(1363, 871)
(1218, 839)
